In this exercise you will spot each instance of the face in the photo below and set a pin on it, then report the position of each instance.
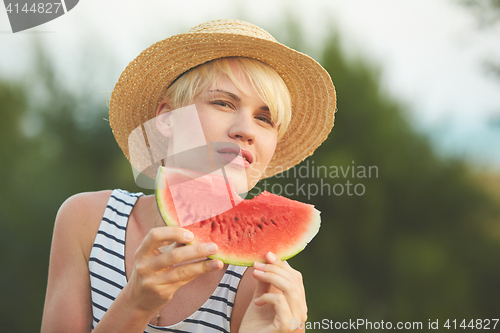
(236, 125)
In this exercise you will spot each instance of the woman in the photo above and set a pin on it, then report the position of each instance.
(107, 270)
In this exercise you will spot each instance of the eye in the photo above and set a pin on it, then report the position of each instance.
(222, 103)
(265, 119)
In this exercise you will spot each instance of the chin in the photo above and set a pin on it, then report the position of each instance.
(243, 180)
(238, 180)
(243, 187)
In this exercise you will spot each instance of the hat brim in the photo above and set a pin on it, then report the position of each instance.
(142, 85)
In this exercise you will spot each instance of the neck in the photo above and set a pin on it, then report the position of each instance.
(149, 216)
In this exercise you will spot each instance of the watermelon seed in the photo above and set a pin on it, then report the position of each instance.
(248, 234)
(236, 219)
(259, 226)
(273, 222)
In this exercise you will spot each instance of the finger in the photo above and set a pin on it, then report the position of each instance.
(261, 288)
(160, 236)
(181, 275)
(168, 248)
(295, 297)
(271, 258)
(286, 280)
(281, 283)
(281, 307)
(275, 264)
(182, 254)
(290, 278)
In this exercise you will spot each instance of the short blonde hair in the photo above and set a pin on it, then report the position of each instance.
(266, 82)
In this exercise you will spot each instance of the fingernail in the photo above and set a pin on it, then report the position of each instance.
(188, 235)
(258, 265)
(258, 271)
(212, 248)
(214, 265)
(272, 256)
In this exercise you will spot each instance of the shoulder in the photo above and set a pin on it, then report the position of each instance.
(68, 285)
(79, 217)
(83, 207)
(85, 200)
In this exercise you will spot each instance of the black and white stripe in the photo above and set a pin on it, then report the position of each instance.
(107, 274)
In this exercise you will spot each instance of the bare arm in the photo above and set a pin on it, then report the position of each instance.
(67, 303)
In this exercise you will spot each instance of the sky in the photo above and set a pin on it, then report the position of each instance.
(431, 52)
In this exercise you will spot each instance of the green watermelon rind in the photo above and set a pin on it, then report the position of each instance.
(160, 179)
(314, 225)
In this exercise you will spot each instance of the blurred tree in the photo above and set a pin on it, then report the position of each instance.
(488, 11)
(12, 107)
(488, 14)
(48, 152)
(417, 244)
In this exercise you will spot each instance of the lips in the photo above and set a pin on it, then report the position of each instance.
(237, 153)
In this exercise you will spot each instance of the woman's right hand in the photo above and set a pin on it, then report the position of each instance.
(155, 278)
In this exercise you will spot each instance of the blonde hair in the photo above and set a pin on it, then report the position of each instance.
(266, 82)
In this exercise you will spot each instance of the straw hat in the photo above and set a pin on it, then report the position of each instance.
(142, 84)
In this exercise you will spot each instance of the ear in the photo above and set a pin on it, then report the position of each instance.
(163, 118)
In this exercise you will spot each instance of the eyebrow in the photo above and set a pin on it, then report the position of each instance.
(230, 94)
(235, 97)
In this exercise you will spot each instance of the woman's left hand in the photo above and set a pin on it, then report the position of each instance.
(279, 300)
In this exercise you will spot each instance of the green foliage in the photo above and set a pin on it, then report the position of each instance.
(488, 11)
(46, 156)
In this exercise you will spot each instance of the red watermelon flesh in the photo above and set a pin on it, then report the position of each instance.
(195, 196)
(245, 231)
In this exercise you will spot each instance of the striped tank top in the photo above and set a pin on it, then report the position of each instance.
(107, 274)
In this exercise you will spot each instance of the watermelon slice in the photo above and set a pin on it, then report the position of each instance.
(244, 230)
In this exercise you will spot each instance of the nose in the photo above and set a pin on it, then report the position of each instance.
(242, 128)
